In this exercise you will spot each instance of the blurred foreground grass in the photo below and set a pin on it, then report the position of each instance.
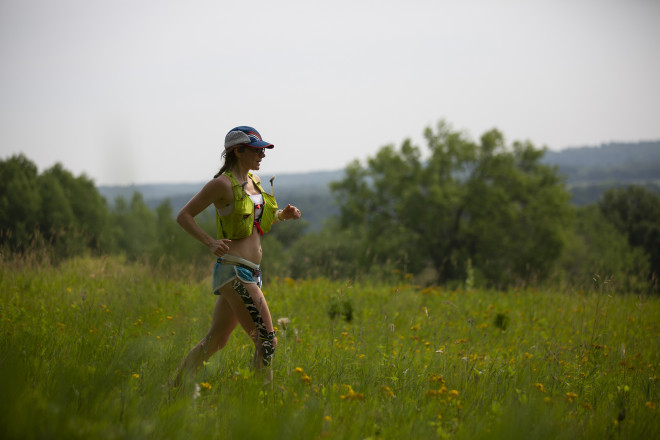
(88, 347)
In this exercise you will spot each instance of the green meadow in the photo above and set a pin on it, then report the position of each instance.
(88, 347)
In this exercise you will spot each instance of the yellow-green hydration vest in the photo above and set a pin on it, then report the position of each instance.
(239, 223)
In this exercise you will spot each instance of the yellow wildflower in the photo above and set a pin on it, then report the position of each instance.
(439, 392)
(289, 281)
(352, 395)
(205, 385)
(428, 290)
(388, 392)
(437, 378)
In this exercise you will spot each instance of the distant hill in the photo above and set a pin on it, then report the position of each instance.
(588, 172)
(608, 161)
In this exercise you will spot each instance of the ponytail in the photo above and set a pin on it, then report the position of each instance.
(230, 160)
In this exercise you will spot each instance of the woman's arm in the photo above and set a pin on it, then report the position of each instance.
(290, 212)
(216, 191)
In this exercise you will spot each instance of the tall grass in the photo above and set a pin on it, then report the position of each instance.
(89, 345)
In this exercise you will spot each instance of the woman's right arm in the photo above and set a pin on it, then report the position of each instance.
(217, 190)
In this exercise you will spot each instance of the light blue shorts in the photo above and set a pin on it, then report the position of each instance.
(225, 272)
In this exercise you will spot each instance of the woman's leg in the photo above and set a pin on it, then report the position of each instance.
(223, 323)
(250, 308)
(242, 303)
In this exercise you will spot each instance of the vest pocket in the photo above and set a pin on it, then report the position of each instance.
(270, 208)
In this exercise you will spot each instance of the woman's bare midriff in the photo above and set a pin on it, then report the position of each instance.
(248, 247)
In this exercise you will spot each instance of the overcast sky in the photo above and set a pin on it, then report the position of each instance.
(144, 91)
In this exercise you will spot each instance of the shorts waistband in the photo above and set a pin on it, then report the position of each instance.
(241, 262)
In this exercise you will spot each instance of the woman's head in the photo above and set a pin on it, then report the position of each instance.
(243, 145)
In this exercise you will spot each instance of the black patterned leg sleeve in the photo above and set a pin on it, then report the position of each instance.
(267, 338)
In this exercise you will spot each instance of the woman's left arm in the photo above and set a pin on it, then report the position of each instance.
(288, 213)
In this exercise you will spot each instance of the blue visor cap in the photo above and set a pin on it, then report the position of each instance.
(245, 135)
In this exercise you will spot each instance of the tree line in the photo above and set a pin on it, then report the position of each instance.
(460, 213)
(482, 213)
(59, 215)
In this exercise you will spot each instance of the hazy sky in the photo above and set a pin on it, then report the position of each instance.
(144, 91)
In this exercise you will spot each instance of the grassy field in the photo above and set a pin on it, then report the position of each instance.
(88, 347)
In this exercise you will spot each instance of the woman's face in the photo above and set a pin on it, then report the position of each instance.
(252, 157)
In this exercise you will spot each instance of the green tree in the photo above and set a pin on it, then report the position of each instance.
(172, 243)
(134, 227)
(287, 232)
(57, 222)
(89, 208)
(332, 253)
(495, 206)
(598, 250)
(635, 211)
(277, 247)
(20, 202)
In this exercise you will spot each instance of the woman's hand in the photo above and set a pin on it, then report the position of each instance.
(290, 212)
(219, 247)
